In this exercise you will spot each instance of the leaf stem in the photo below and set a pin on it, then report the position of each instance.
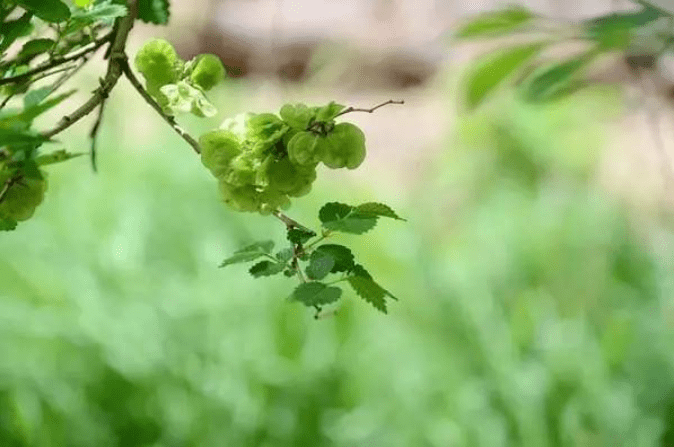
(290, 223)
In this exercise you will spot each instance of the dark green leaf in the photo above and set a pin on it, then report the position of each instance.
(320, 264)
(365, 287)
(378, 209)
(495, 23)
(340, 217)
(494, 69)
(316, 294)
(7, 224)
(9, 137)
(249, 253)
(299, 236)
(48, 10)
(30, 113)
(56, 157)
(343, 257)
(334, 211)
(266, 268)
(35, 47)
(555, 80)
(12, 30)
(154, 11)
(614, 31)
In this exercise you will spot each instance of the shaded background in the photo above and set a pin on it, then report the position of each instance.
(534, 271)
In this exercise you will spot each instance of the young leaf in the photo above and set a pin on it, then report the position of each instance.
(327, 113)
(494, 69)
(343, 257)
(266, 268)
(299, 236)
(48, 10)
(346, 219)
(56, 157)
(316, 294)
(297, 116)
(153, 11)
(495, 23)
(7, 224)
(378, 209)
(555, 80)
(249, 253)
(320, 264)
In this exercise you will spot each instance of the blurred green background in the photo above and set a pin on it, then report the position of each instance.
(535, 305)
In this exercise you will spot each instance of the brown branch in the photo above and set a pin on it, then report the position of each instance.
(94, 134)
(168, 118)
(57, 61)
(354, 109)
(115, 64)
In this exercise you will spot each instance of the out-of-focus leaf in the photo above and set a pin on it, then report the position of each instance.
(555, 80)
(9, 137)
(7, 224)
(48, 10)
(614, 31)
(320, 264)
(494, 69)
(495, 23)
(12, 30)
(153, 11)
(56, 157)
(34, 47)
(249, 253)
(104, 12)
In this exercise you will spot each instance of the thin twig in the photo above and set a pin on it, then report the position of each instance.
(117, 61)
(355, 109)
(53, 72)
(290, 223)
(8, 184)
(57, 61)
(6, 100)
(94, 134)
(66, 76)
(168, 118)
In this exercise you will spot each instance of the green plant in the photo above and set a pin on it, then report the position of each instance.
(259, 160)
(642, 35)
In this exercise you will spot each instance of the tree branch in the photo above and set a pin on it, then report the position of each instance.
(57, 61)
(290, 223)
(115, 64)
(354, 109)
(168, 118)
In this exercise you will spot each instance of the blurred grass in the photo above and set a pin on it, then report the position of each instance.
(531, 315)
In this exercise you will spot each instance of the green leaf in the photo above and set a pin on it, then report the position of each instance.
(494, 69)
(378, 209)
(266, 268)
(36, 96)
(346, 219)
(7, 224)
(320, 264)
(30, 113)
(184, 98)
(299, 236)
(297, 116)
(56, 157)
(104, 12)
(10, 137)
(342, 256)
(316, 294)
(284, 255)
(365, 287)
(12, 30)
(249, 253)
(555, 80)
(48, 10)
(153, 11)
(328, 113)
(36, 46)
(614, 31)
(495, 23)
